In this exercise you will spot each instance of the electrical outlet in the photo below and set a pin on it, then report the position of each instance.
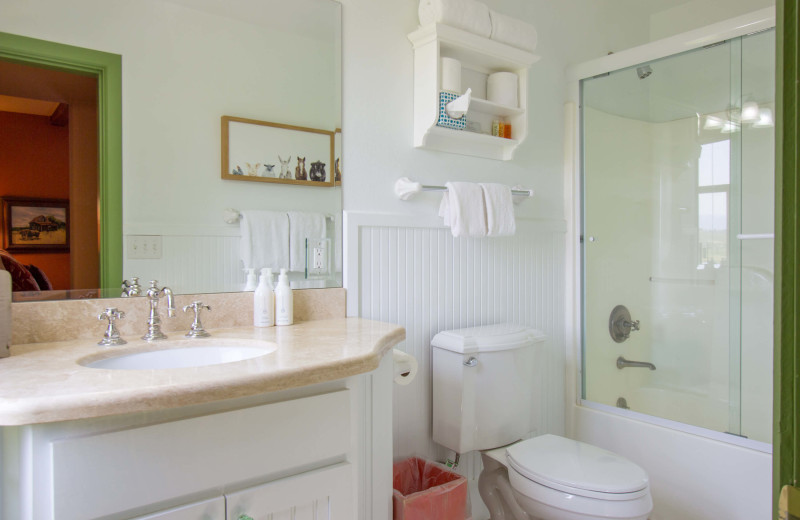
(142, 247)
(319, 258)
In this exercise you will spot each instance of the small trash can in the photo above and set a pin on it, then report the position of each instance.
(424, 490)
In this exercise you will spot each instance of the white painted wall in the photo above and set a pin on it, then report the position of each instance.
(698, 13)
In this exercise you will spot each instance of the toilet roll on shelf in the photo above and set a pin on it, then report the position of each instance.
(503, 88)
(451, 75)
(405, 367)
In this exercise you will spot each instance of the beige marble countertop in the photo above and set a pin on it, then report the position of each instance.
(45, 382)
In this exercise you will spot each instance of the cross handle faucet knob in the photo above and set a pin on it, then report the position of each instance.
(197, 330)
(111, 335)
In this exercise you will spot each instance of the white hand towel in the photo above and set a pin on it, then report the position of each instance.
(469, 15)
(303, 225)
(511, 31)
(265, 239)
(463, 209)
(499, 210)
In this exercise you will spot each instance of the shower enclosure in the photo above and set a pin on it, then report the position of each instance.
(677, 248)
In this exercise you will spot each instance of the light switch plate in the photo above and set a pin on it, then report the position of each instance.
(144, 247)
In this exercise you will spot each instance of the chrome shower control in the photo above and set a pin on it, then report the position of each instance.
(620, 324)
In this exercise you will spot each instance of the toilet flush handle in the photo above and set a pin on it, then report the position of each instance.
(471, 361)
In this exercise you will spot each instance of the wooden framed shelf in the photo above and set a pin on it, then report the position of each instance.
(479, 57)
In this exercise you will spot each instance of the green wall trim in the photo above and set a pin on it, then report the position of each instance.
(107, 68)
(786, 452)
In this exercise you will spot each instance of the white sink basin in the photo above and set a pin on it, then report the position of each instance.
(181, 357)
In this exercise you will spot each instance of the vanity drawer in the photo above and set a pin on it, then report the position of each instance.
(102, 474)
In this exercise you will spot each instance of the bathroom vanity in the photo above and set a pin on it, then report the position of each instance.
(299, 432)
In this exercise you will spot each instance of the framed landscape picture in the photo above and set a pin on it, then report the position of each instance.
(260, 151)
(32, 225)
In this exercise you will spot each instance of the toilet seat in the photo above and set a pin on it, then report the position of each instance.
(577, 468)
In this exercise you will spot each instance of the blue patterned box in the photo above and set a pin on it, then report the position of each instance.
(445, 120)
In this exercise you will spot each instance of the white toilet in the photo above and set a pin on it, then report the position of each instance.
(483, 391)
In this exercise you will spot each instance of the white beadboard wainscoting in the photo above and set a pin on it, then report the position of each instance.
(413, 272)
(187, 258)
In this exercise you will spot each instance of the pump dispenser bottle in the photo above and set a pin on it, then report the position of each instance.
(264, 301)
(284, 301)
(250, 285)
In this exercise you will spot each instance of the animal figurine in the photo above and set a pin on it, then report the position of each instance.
(269, 170)
(237, 171)
(337, 168)
(317, 172)
(300, 173)
(252, 169)
(284, 167)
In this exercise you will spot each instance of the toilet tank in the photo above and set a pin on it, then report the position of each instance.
(483, 386)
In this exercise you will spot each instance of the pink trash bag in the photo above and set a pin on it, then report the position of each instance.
(427, 491)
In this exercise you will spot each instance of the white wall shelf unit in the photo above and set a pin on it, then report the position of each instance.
(479, 57)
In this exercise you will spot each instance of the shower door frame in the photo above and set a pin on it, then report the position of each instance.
(744, 25)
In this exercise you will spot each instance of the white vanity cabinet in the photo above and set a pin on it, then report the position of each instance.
(319, 452)
(323, 494)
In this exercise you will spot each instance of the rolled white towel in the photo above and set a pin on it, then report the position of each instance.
(511, 31)
(469, 15)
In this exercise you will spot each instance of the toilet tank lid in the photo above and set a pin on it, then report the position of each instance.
(487, 338)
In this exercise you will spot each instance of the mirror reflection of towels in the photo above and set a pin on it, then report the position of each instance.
(265, 239)
(303, 225)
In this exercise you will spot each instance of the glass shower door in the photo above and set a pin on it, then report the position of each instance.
(675, 171)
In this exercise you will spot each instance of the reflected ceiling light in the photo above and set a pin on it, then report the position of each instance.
(713, 123)
(750, 112)
(765, 119)
(729, 127)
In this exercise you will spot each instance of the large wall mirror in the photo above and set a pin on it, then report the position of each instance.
(185, 64)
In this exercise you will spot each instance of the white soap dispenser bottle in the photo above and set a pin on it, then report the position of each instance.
(250, 285)
(284, 302)
(264, 301)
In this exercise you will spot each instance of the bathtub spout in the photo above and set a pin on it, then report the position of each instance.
(622, 363)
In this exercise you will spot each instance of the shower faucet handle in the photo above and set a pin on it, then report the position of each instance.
(633, 325)
(620, 324)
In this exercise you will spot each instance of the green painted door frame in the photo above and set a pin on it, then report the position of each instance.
(107, 68)
(786, 452)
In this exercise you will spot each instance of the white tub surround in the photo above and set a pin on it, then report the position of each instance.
(45, 382)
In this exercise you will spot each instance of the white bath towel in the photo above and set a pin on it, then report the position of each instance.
(303, 225)
(463, 209)
(500, 219)
(469, 15)
(511, 31)
(265, 239)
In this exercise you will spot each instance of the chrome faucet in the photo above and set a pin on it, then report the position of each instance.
(622, 363)
(153, 294)
(131, 288)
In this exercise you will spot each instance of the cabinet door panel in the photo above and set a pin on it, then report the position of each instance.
(213, 509)
(325, 494)
(103, 474)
